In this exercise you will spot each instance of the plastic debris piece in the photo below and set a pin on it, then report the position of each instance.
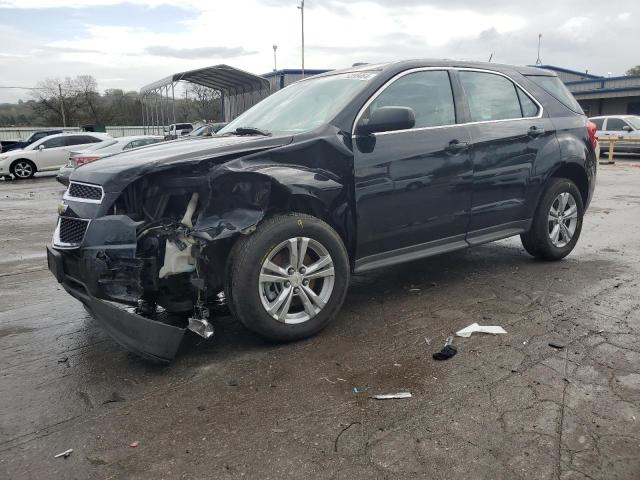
(559, 346)
(64, 454)
(474, 327)
(447, 351)
(134, 444)
(391, 396)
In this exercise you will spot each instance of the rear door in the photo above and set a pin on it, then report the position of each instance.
(413, 187)
(508, 132)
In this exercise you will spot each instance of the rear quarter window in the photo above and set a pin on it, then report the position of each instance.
(554, 87)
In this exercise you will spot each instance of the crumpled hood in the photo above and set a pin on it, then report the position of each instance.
(117, 171)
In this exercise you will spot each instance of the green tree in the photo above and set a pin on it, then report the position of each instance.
(634, 71)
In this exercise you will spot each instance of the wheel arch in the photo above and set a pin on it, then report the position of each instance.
(251, 197)
(577, 174)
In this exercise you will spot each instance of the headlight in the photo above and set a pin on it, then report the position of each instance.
(4, 157)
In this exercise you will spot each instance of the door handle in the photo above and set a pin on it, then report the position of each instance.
(535, 131)
(455, 146)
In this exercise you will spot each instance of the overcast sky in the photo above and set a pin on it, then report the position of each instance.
(129, 44)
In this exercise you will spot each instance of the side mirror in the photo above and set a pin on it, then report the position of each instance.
(627, 128)
(387, 119)
(41, 147)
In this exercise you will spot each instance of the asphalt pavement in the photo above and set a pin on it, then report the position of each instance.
(505, 407)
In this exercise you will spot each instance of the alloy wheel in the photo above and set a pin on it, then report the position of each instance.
(563, 219)
(296, 280)
(23, 170)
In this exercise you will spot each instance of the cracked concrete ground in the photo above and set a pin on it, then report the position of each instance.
(506, 407)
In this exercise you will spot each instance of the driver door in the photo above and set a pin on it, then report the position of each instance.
(413, 187)
(49, 157)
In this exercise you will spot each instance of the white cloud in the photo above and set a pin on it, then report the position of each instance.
(338, 33)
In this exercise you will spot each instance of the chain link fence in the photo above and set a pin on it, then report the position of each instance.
(10, 133)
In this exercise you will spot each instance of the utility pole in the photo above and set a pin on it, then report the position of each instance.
(301, 7)
(538, 61)
(275, 64)
(64, 118)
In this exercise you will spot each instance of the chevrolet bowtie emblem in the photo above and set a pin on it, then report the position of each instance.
(62, 208)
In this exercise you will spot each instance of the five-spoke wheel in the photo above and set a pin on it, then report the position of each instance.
(296, 280)
(289, 278)
(557, 223)
(23, 169)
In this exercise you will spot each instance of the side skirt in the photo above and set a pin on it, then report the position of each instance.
(436, 247)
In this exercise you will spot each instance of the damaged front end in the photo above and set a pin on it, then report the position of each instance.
(144, 244)
(152, 264)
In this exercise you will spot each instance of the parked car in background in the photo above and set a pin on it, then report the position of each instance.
(207, 130)
(8, 145)
(313, 184)
(108, 147)
(618, 125)
(48, 153)
(177, 130)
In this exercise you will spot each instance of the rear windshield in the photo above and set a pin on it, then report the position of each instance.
(554, 87)
(101, 145)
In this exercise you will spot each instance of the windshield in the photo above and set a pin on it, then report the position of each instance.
(198, 131)
(634, 122)
(303, 105)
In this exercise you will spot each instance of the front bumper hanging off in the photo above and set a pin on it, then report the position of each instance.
(148, 338)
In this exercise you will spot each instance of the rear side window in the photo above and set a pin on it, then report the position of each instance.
(554, 87)
(428, 93)
(81, 140)
(490, 96)
(598, 122)
(529, 108)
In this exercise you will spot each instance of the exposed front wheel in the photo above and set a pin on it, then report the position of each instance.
(23, 169)
(557, 223)
(289, 278)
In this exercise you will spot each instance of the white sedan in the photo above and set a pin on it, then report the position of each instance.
(48, 153)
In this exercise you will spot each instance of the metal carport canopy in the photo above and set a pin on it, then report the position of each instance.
(219, 77)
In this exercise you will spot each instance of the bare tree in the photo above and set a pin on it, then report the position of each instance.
(56, 98)
(86, 89)
(206, 101)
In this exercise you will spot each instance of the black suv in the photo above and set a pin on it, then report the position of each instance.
(336, 174)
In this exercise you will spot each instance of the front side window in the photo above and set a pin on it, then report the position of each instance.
(616, 124)
(634, 122)
(427, 93)
(54, 142)
(303, 105)
(490, 96)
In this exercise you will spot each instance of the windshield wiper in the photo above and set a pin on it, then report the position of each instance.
(250, 131)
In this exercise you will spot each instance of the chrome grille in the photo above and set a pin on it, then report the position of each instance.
(84, 192)
(72, 230)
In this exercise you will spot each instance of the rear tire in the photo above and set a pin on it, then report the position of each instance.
(284, 296)
(22, 169)
(557, 222)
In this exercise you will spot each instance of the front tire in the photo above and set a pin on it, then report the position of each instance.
(22, 169)
(288, 279)
(557, 222)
